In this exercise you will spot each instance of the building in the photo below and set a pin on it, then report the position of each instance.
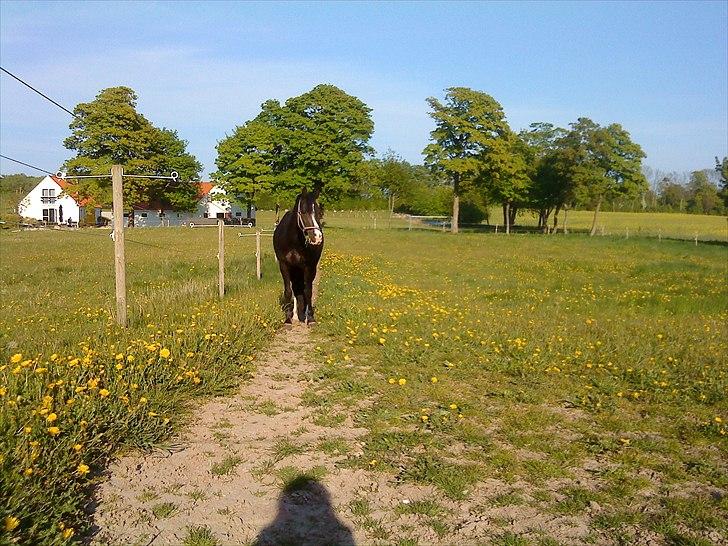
(212, 205)
(49, 203)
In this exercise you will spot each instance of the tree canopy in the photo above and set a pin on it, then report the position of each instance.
(109, 131)
(467, 126)
(317, 139)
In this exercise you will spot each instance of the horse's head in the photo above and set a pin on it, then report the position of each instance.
(309, 216)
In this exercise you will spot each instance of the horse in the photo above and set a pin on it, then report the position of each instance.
(298, 241)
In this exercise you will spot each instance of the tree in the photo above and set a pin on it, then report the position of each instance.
(109, 131)
(505, 174)
(396, 178)
(673, 195)
(466, 127)
(246, 160)
(606, 164)
(721, 167)
(703, 195)
(549, 189)
(317, 139)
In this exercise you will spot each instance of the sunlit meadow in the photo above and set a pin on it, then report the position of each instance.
(587, 376)
(576, 371)
(75, 387)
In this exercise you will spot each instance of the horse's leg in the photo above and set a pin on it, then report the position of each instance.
(287, 296)
(298, 291)
(308, 277)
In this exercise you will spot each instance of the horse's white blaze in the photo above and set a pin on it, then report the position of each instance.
(317, 235)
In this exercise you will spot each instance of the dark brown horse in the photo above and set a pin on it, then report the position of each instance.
(298, 241)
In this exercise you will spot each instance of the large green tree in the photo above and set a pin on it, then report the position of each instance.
(606, 164)
(549, 191)
(467, 125)
(246, 160)
(109, 131)
(317, 139)
(505, 174)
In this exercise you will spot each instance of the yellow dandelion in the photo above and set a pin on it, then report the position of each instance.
(164, 353)
(17, 357)
(424, 418)
(433, 379)
(718, 419)
(11, 522)
(625, 441)
(68, 532)
(82, 469)
(28, 471)
(77, 447)
(28, 429)
(402, 381)
(104, 393)
(382, 340)
(51, 417)
(392, 380)
(453, 406)
(120, 356)
(54, 431)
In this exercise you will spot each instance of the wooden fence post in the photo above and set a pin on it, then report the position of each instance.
(117, 174)
(257, 255)
(696, 238)
(409, 228)
(221, 257)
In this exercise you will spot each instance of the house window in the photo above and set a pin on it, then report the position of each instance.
(49, 215)
(161, 214)
(48, 196)
(205, 215)
(221, 215)
(238, 214)
(144, 215)
(179, 215)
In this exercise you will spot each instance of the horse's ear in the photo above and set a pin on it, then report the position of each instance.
(304, 190)
(316, 191)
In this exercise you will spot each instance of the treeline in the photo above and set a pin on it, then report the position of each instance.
(320, 139)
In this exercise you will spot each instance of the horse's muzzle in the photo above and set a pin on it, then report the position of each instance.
(315, 237)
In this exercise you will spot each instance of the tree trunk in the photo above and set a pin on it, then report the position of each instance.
(594, 220)
(507, 216)
(455, 205)
(556, 217)
(512, 215)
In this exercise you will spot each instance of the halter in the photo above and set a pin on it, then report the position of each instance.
(301, 225)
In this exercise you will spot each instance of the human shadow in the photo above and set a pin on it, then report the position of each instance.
(305, 517)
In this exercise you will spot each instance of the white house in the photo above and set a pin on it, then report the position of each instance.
(48, 202)
(212, 205)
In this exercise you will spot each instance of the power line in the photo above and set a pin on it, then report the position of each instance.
(41, 94)
(27, 165)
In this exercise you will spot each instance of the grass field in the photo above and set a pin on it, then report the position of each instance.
(586, 376)
(583, 376)
(614, 224)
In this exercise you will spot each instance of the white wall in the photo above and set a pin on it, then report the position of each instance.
(32, 206)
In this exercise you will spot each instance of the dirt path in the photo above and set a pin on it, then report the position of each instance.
(235, 460)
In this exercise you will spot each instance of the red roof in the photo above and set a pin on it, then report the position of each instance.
(65, 185)
(205, 188)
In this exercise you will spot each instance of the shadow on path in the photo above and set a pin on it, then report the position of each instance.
(305, 517)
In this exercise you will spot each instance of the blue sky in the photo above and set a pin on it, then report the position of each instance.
(658, 68)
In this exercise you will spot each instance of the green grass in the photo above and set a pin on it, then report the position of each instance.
(200, 536)
(226, 466)
(553, 350)
(111, 388)
(164, 510)
(547, 352)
